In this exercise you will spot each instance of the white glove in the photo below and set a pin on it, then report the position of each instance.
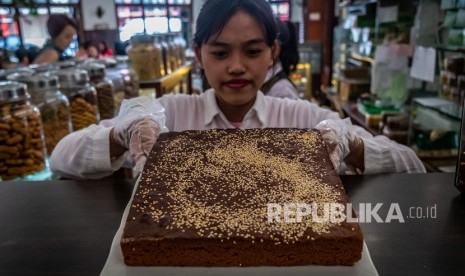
(340, 139)
(137, 127)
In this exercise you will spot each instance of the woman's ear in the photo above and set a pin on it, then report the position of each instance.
(198, 55)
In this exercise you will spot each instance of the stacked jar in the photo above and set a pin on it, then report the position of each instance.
(116, 79)
(166, 69)
(173, 53)
(22, 149)
(44, 68)
(4, 73)
(53, 105)
(181, 43)
(104, 88)
(145, 56)
(74, 83)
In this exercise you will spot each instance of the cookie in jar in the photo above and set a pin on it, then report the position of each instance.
(83, 101)
(103, 86)
(22, 147)
(53, 105)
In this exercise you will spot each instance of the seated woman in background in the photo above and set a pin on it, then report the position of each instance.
(277, 82)
(62, 30)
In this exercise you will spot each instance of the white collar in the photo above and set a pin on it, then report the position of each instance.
(211, 108)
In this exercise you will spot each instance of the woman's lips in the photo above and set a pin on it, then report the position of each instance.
(237, 84)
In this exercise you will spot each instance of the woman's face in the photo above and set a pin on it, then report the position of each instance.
(236, 61)
(63, 40)
(93, 52)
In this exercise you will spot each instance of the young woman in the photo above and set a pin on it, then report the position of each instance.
(235, 43)
(62, 30)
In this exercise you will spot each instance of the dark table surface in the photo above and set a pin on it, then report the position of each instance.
(66, 227)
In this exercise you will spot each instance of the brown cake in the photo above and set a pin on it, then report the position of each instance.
(202, 200)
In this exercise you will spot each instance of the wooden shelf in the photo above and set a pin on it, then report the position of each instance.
(163, 84)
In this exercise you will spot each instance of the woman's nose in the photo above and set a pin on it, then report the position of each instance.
(236, 65)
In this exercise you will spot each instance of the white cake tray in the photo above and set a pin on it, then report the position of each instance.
(114, 266)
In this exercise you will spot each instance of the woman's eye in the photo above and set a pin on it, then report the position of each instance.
(219, 54)
(254, 52)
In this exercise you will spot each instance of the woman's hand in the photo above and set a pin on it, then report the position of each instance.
(343, 144)
(137, 127)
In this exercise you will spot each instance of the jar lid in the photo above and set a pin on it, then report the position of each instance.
(38, 82)
(4, 73)
(108, 62)
(65, 64)
(13, 91)
(70, 77)
(41, 68)
(95, 70)
(142, 38)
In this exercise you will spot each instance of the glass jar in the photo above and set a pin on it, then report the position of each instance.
(166, 69)
(172, 52)
(74, 83)
(118, 85)
(22, 149)
(4, 73)
(145, 56)
(130, 81)
(181, 42)
(44, 68)
(53, 105)
(104, 87)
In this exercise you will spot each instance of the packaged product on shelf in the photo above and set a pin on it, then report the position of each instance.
(22, 149)
(74, 83)
(53, 105)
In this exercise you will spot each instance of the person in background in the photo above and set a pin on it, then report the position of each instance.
(91, 49)
(87, 50)
(25, 56)
(277, 82)
(62, 30)
(22, 56)
(104, 50)
(235, 43)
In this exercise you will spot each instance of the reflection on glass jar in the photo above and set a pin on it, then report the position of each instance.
(22, 149)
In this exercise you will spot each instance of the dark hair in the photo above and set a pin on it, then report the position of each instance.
(105, 47)
(56, 23)
(289, 54)
(215, 14)
(89, 43)
(21, 53)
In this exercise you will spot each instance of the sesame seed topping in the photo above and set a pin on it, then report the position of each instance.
(217, 183)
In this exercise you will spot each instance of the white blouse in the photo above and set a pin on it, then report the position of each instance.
(85, 153)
